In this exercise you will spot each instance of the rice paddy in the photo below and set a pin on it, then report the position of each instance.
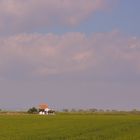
(70, 127)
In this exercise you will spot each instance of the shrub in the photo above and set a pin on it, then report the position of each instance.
(32, 110)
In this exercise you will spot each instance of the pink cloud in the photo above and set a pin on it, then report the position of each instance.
(84, 56)
(49, 54)
(19, 14)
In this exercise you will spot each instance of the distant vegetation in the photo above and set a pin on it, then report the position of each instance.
(33, 110)
(96, 111)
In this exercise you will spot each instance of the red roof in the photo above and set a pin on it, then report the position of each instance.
(43, 106)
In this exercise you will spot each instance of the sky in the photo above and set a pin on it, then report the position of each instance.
(70, 54)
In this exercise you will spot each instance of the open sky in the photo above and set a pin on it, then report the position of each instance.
(70, 54)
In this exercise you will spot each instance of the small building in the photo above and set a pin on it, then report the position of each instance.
(44, 110)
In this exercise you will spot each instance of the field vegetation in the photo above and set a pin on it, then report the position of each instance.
(70, 126)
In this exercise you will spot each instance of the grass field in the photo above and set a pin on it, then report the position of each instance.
(70, 127)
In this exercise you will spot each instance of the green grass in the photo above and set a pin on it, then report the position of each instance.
(70, 127)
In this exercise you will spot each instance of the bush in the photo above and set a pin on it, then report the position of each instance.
(65, 110)
(32, 110)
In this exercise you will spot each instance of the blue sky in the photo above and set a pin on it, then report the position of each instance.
(124, 16)
(70, 54)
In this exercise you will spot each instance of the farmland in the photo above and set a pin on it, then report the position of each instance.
(70, 127)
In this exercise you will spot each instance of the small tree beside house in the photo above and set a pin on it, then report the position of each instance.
(32, 110)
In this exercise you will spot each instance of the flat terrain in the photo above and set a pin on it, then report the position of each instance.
(70, 127)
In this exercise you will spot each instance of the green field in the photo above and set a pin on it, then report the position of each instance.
(70, 127)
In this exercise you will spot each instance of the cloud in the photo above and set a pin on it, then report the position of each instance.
(32, 14)
(35, 55)
(38, 54)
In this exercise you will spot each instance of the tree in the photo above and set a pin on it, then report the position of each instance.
(32, 110)
(73, 110)
(93, 110)
(65, 110)
(101, 110)
(81, 110)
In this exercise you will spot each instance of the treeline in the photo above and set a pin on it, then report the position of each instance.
(34, 110)
(94, 110)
